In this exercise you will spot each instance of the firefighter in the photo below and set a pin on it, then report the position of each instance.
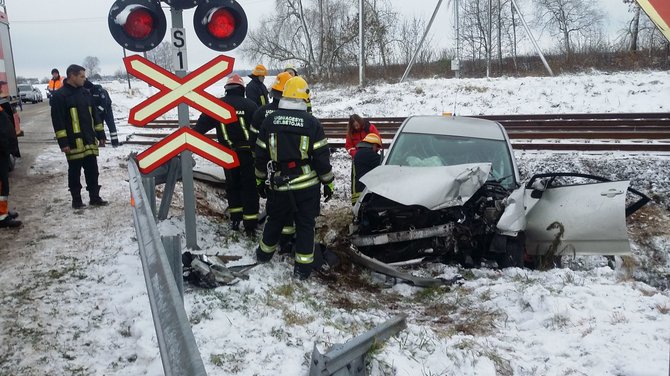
(8, 146)
(240, 183)
(79, 132)
(288, 231)
(292, 161)
(366, 158)
(256, 90)
(290, 69)
(103, 103)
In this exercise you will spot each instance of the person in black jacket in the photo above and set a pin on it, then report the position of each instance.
(8, 146)
(79, 132)
(256, 90)
(240, 182)
(288, 231)
(367, 157)
(292, 161)
(103, 103)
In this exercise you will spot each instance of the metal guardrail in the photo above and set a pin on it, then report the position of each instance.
(179, 351)
(349, 359)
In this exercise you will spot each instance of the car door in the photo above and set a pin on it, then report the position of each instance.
(585, 219)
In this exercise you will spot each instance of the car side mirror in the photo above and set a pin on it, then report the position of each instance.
(536, 193)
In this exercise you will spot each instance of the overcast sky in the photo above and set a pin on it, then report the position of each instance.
(56, 33)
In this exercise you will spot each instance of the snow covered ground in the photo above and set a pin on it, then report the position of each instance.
(75, 302)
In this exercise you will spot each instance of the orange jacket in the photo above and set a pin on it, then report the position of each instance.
(55, 84)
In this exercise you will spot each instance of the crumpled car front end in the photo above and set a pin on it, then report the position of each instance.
(443, 213)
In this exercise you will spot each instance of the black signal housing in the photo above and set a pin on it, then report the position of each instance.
(220, 24)
(137, 25)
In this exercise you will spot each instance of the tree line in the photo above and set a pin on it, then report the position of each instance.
(320, 38)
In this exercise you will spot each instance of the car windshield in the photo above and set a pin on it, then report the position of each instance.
(415, 149)
(25, 88)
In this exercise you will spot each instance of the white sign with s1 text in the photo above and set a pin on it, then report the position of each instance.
(179, 61)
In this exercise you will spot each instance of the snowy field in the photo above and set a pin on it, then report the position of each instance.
(82, 308)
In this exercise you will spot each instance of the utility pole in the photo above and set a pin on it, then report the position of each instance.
(423, 38)
(490, 44)
(361, 36)
(456, 63)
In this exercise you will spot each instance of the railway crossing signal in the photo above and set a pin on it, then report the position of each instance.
(175, 90)
(185, 139)
(140, 25)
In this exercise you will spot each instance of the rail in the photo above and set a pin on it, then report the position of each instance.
(625, 132)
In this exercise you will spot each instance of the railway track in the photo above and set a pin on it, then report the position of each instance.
(648, 132)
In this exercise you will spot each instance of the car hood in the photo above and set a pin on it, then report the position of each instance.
(431, 187)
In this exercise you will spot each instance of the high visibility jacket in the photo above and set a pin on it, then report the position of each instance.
(257, 91)
(55, 84)
(356, 137)
(235, 135)
(296, 144)
(76, 123)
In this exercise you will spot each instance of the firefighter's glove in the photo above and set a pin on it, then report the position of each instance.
(261, 188)
(328, 190)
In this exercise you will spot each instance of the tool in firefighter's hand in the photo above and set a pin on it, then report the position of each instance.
(261, 188)
(328, 190)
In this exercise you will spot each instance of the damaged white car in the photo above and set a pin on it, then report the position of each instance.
(449, 190)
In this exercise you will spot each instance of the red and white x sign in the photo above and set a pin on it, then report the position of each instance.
(175, 90)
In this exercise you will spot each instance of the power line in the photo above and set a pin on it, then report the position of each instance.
(65, 20)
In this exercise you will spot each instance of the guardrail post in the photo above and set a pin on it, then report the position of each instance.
(349, 359)
(172, 246)
(149, 184)
(170, 183)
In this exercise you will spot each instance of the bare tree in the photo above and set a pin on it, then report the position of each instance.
(92, 65)
(162, 55)
(322, 35)
(571, 19)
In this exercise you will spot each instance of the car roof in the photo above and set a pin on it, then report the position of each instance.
(453, 126)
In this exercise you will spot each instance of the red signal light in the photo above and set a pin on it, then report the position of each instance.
(221, 23)
(139, 23)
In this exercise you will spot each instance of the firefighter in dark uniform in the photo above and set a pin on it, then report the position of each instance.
(292, 162)
(367, 157)
(256, 90)
(79, 132)
(240, 182)
(103, 102)
(288, 231)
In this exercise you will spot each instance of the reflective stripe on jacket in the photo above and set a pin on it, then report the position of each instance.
(76, 124)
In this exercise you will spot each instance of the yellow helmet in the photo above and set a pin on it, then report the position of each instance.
(280, 82)
(259, 70)
(296, 87)
(372, 138)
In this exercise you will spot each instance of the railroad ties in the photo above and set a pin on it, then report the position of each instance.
(633, 132)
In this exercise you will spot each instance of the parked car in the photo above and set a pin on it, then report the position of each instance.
(30, 93)
(449, 190)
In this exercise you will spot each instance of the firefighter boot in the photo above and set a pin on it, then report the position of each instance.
(10, 222)
(302, 271)
(263, 256)
(94, 195)
(76, 200)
